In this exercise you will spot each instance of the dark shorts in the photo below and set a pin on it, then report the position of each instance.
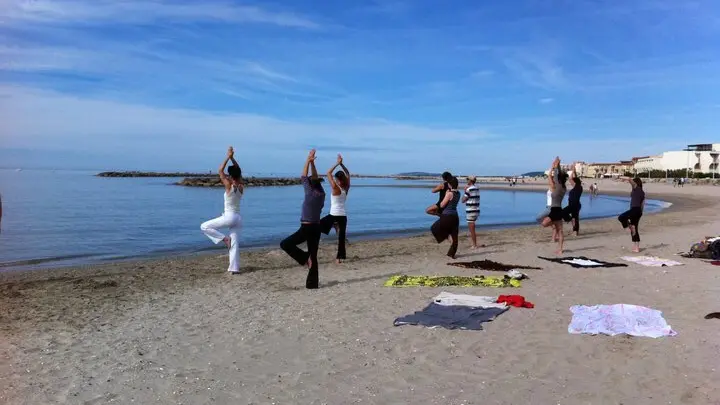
(445, 226)
(556, 214)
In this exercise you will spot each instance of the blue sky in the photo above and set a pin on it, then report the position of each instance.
(485, 87)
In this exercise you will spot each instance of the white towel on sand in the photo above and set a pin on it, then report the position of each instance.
(619, 319)
(449, 299)
(651, 261)
(583, 262)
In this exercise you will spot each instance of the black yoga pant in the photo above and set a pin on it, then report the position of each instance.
(632, 217)
(309, 233)
(448, 226)
(326, 224)
(573, 212)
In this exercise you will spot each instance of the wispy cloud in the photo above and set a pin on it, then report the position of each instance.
(151, 11)
(546, 100)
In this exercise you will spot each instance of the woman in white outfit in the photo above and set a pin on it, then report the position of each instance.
(340, 183)
(231, 218)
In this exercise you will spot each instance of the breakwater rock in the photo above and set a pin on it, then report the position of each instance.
(249, 182)
(152, 174)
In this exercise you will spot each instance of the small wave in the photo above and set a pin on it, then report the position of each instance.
(44, 260)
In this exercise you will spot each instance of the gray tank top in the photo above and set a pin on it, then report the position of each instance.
(451, 208)
(559, 193)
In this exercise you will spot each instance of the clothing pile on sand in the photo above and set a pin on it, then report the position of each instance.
(460, 311)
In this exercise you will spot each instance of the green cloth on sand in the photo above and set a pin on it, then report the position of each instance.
(445, 281)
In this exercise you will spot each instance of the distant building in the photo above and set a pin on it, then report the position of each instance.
(597, 170)
(702, 158)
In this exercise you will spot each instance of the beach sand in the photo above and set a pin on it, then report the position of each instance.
(183, 331)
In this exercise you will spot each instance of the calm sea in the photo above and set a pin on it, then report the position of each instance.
(60, 218)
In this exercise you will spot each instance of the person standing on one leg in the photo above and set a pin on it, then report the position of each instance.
(472, 207)
(442, 189)
(557, 180)
(309, 224)
(571, 213)
(449, 223)
(340, 183)
(631, 218)
(231, 219)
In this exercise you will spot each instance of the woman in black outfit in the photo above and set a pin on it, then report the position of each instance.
(631, 218)
(571, 213)
(448, 226)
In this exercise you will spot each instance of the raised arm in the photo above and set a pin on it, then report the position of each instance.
(331, 177)
(345, 169)
(438, 188)
(221, 171)
(310, 159)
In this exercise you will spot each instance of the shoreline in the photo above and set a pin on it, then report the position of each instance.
(55, 263)
(675, 204)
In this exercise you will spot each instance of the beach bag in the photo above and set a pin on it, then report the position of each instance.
(715, 249)
(706, 250)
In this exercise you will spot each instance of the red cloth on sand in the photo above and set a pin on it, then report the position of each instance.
(715, 262)
(515, 301)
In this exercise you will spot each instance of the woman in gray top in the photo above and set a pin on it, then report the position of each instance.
(556, 180)
(309, 224)
(449, 223)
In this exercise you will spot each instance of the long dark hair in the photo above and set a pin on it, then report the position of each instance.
(638, 182)
(342, 179)
(235, 172)
(562, 178)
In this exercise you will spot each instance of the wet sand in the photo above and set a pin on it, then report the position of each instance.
(183, 331)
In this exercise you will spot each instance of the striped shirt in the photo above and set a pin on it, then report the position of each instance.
(472, 205)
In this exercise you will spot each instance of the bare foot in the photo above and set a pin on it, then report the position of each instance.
(338, 261)
(226, 240)
(558, 252)
(636, 250)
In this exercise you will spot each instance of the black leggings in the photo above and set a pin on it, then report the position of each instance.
(326, 224)
(309, 233)
(632, 217)
(573, 212)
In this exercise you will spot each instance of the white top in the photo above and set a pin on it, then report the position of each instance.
(549, 198)
(232, 200)
(337, 204)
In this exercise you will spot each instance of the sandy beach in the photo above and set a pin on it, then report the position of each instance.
(183, 331)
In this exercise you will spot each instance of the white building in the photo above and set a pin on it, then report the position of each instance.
(703, 158)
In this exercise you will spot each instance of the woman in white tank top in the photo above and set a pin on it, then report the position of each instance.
(340, 183)
(231, 218)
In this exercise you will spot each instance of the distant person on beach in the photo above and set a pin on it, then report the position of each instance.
(449, 223)
(556, 180)
(571, 213)
(442, 189)
(472, 207)
(231, 219)
(631, 218)
(340, 184)
(309, 224)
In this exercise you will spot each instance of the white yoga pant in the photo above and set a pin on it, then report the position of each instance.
(230, 220)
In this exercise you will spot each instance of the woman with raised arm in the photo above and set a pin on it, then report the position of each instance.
(309, 223)
(631, 218)
(231, 219)
(340, 184)
(449, 223)
(557, 179)
(571, 213)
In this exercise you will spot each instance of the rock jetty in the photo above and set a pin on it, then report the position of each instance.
(249, 182)
(152, 174)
